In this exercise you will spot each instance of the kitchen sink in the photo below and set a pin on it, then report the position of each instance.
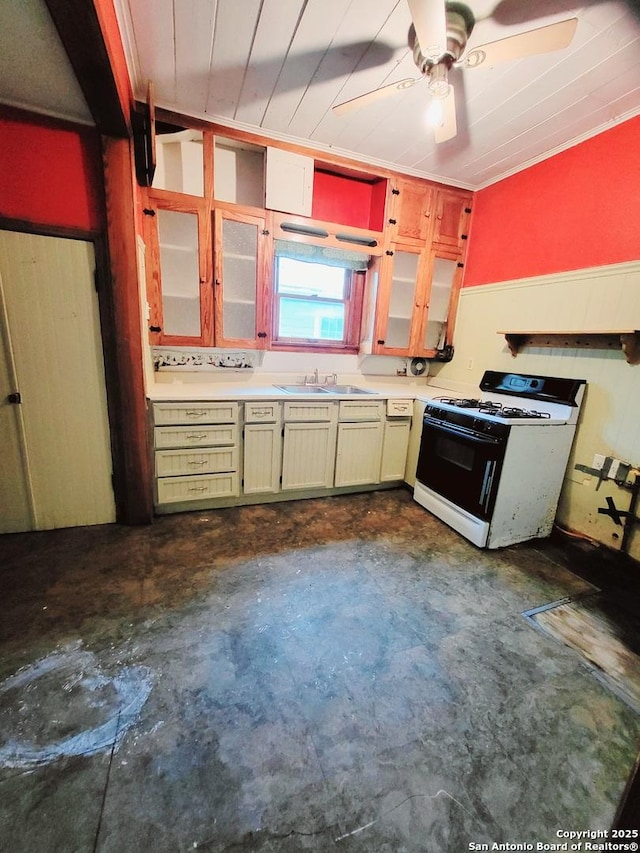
(347, 389)
(323, 389)
(302, 389)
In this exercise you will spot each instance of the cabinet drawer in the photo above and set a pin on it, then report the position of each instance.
(194, 413)
(174, 489)
(187, 436)
(361, 410)
(301, 411)
(172, 463)
(262, 413)
(399, 408)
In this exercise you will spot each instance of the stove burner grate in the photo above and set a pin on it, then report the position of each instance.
(460, 402)
(490, 407)
(514, 412)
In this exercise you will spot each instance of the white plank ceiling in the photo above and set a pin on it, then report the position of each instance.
(277, 66)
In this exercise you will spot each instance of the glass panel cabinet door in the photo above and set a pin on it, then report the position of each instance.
(239, 277)
(444, 273)
(402, 299)
(180, 273)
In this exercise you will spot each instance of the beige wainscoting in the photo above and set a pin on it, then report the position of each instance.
(597, 298)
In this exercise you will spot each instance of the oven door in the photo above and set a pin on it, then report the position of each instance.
(461, 464)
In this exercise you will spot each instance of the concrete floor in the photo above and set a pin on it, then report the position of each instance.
(334, 674)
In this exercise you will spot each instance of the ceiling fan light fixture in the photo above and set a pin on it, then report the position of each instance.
(439, 80)
(435, 112)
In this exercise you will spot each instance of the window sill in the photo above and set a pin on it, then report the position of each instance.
(303, 346)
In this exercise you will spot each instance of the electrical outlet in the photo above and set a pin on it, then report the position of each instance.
(598, 461)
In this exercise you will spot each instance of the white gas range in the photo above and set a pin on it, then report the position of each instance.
(491, 466)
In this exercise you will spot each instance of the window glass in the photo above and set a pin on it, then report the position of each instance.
(312, 301)
(310, 279)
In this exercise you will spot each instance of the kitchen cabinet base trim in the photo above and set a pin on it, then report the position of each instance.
(251, 500)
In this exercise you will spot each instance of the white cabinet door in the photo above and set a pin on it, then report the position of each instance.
(289, 182)
(358, 455)
(50, 340)
(394, 449)
(308, 455)
(262, 456)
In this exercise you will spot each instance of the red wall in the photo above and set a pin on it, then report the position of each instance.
(577, 209)
(347, 201)
(51, 172)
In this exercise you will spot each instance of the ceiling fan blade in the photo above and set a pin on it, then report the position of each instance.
(375, 95)
(430, 23)
(541, 40)
(449, 128)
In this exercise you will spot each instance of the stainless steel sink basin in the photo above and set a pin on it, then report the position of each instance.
(347, 389)
(323, 389)
(302, 389)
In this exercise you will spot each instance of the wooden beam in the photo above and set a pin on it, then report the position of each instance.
(135, 483)
(81, 35)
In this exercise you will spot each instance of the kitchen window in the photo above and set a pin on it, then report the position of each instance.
(317, 297)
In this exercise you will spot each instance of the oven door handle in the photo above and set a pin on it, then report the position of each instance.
(462, 433)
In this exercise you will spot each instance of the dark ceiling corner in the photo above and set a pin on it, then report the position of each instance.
(79, 29)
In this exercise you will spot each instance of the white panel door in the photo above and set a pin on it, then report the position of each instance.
(394, 449)
(262, 455)
(51, 342)
(358, 454)
(308, 455)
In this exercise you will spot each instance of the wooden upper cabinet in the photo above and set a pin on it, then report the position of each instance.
(452, 218)
(412, 210)
(416, 293)
(210, 240)
(243, 260)
(179, 270)
(425, 214)
(401, 300)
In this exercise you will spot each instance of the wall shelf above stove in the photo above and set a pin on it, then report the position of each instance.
(626, 339)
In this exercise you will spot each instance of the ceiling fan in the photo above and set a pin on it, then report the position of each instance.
(438, 38)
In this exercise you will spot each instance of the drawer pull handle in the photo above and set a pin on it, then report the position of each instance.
(194, 413)
(196, 436)
(197, 488)
(197, 462)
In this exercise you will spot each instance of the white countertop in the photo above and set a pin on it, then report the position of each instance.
(261, 390)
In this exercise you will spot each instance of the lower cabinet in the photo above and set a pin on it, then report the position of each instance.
(394, 449)
(262, 448)
(229, 453)
(360, 433)
(309, 445)
(196, 451)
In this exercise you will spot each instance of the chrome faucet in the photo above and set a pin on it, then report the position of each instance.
(331, 379)
(313, 379)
